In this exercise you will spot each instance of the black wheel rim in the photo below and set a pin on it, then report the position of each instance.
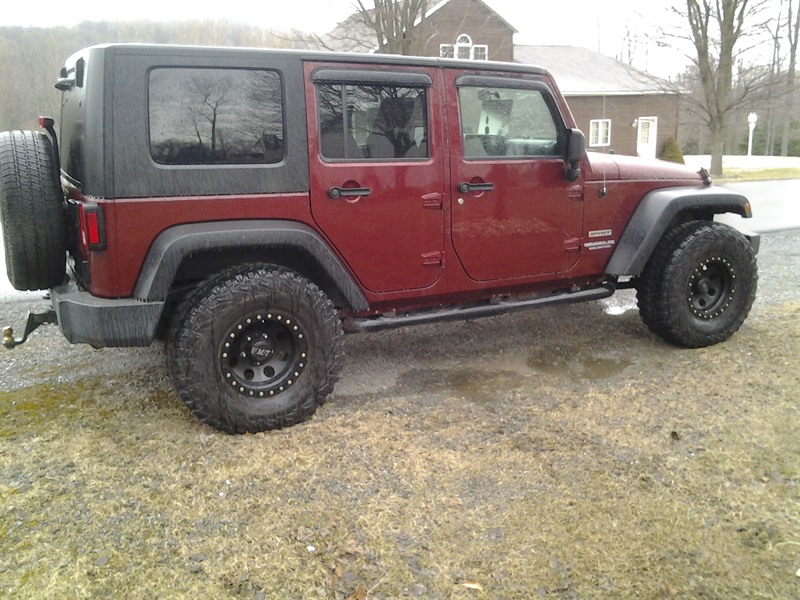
(264, 354)
(711, 288)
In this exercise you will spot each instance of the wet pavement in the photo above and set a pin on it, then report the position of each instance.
(775, 206)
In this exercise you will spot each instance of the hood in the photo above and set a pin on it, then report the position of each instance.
(632, 168)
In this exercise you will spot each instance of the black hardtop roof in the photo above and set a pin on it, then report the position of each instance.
(310, 55)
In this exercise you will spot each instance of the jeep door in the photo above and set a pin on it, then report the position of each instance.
(376, 170)
(514, 213)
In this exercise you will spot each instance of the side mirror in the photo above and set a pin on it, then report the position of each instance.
(574, 150)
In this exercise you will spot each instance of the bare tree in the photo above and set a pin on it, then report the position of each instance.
(390, 27)
(39, 53)
(209, 98)
(716, 30)
(395, 23)
(792, 31)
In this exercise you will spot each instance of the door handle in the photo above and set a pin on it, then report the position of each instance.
(336, 192)
(475, 187)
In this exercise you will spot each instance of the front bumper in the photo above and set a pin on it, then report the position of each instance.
(754, 239)
(103, 322)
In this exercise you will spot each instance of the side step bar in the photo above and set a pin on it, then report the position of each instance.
(369, 325)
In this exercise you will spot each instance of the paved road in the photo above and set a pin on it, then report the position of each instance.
(776, 205)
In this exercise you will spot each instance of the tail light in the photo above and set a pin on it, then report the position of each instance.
(93, 227)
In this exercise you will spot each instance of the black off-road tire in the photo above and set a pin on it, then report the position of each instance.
(32, 211)
(255, 348)
(697, 288)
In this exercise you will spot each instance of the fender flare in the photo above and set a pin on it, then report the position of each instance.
(173, 245)
(660, 208)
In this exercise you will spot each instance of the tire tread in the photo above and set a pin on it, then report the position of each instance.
(189, 334)
(660, 306)
(34, 226)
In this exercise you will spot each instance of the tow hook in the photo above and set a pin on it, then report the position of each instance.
(33, 322)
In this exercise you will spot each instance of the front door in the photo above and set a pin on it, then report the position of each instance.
(647, 133)
(376, 164)
(514, 213)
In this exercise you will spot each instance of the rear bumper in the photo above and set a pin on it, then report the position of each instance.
(102, 322)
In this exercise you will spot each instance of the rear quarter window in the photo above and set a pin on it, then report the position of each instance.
(215, 116)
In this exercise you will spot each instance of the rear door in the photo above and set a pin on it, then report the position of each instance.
(514, 213)
(377, 182)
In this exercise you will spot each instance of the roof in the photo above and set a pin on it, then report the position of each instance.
(337, 58)
(583, 72)
(438, 5)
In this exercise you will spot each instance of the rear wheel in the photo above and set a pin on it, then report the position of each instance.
(31, 208)
(255, 348)
(698, 287)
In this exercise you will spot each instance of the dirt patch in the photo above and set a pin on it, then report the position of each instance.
(559, 453)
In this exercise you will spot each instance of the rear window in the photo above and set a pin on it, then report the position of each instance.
(200, 116)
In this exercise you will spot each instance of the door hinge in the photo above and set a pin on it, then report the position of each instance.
(433, 259)
(432, 200)
(572, 245)
(575, 192)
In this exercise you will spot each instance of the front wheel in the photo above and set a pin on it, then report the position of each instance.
(255, 348)
(697, 288)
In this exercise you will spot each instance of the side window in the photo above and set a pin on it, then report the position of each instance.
(506, 122)
(215, 116)
(375, 122)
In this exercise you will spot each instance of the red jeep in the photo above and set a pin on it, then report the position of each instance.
(253, 205)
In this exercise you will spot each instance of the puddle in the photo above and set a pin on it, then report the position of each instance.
(575, 364)
(483, 385)
(479, 385)
(620, 303)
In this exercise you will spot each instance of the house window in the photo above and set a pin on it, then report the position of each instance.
(644, 131)
(464, 49)
(463, 46)
(600, 132)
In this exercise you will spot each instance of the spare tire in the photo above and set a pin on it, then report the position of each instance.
(32, 211)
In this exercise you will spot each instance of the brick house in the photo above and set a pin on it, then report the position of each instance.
(467, 29)
(619, 108)
(452, 28)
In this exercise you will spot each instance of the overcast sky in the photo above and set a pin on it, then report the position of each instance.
(596, 24)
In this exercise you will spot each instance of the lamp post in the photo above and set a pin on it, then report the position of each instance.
(752, 118)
